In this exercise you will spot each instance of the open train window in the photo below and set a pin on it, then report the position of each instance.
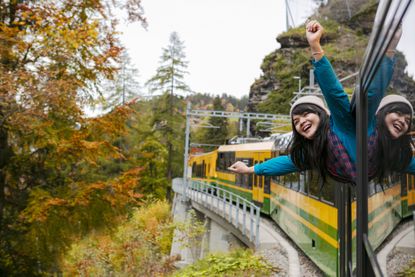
(302, 182)
(225, 160)
(220, 161)
(291, 180)
(267, 182)
(327, 191)
(194, 169)
(404, 186)
(277, 179)
(411, 181)
(372, 187)
(314, 184)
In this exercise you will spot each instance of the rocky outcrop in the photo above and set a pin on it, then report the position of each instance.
(344, 42)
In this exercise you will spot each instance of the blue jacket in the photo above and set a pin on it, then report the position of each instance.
(342, 121)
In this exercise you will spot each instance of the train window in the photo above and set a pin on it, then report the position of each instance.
(295, 182)
(225, 160)
(194, 169)
(302, 181)
(404, 187)
(277, 179)
(244, 180)
(267, 184)
(327, 191)
(314, 184)
(291, 180)
(231, 159)
(220, 161)
(372, 187)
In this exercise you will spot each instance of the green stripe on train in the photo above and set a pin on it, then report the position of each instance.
(379, 210)
(326, 228)
(321, 252)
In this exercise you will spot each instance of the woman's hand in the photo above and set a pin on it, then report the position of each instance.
(314, 32)
(240, 167)
(390, 52)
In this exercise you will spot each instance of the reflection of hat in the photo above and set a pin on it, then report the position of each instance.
(394, 98)
(310, 99)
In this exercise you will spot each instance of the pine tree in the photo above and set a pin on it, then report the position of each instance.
(168, 117)
(125, 86)
(217, 135)
(170, 74)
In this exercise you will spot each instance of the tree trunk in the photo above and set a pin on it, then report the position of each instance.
(5, 154)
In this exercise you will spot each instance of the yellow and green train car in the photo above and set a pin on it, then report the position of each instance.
(213, 167)
(306, 209)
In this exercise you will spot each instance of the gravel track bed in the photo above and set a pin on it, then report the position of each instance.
(278, 257)
(396, 260)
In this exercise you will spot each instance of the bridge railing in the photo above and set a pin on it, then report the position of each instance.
(242, 214)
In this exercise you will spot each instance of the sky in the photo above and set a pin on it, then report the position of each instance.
(225, 40)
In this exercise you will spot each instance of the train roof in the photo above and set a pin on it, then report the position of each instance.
(256, 146)
(283, 140)
(203, 154)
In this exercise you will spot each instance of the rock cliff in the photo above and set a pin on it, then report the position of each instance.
(344, 42)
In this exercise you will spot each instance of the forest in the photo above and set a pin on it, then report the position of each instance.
(81, 194)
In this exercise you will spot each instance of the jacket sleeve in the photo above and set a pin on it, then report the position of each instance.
(336, 98)
(377, 88)
(277, 166)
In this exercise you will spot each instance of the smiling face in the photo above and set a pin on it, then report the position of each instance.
(397, 124)
(306, 124)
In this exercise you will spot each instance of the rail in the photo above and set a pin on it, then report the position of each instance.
(374, 269)
(228, 205)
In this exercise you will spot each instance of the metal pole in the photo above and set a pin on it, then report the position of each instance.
(237, 211)
(244, 219)
(362, 260)
(257, 226)
(230, 207)
(348, 9)
(248, 123)
(186, 147)
(241, 125)
(251, 229)
(287, 24)
(311, 78)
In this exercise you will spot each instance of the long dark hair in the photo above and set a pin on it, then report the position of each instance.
(309, 154)
(393, 155)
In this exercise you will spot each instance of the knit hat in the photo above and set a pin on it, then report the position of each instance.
(310, 99)
(394, 98)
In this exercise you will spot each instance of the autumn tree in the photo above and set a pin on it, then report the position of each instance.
(169, 114)
(53, 54)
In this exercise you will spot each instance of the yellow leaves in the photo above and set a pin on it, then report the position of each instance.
(133, 249)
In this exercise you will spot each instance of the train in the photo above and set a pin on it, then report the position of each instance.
(306, 209)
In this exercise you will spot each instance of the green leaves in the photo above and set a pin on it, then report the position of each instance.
(237, 263)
